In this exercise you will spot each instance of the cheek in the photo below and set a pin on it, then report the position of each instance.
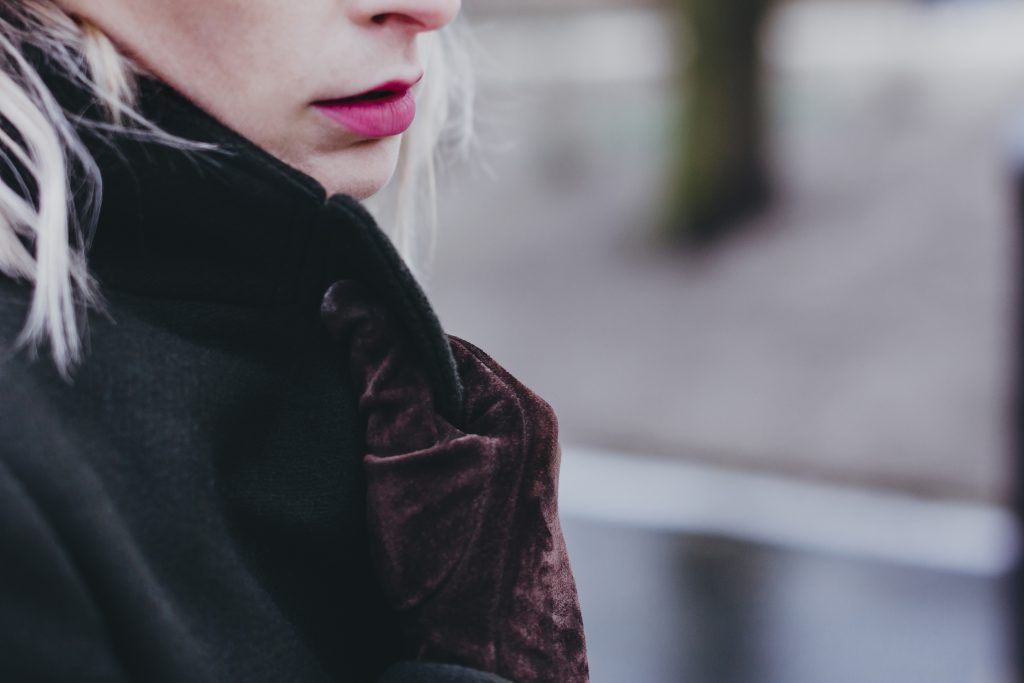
(240, 60)
(249, 64)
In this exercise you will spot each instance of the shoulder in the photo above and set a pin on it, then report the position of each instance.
(45, 604)
(23, 372)
(34, 399)
(48, 472)
(23, 376)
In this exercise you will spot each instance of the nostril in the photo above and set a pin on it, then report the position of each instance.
(421, 19)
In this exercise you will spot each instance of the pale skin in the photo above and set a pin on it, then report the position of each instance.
(259, 65)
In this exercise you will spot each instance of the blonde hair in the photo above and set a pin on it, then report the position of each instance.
(42, 232)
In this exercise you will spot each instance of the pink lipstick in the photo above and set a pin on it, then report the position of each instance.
(388, 109)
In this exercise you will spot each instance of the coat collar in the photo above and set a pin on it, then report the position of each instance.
(235, 225)
(239, 226)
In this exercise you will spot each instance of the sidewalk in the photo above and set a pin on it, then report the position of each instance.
(859, 332)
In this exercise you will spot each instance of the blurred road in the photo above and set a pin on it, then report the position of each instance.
(663, 608)
(857, 332)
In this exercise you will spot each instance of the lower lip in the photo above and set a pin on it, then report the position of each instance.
(380, 118)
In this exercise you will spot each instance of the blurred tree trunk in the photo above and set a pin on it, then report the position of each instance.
(719, 173)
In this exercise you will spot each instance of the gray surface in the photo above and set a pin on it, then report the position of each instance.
(857, 332)
(664, 608)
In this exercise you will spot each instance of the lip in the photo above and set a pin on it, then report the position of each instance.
(375, 117)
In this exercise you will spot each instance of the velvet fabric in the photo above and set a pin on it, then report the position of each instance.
(463, 513)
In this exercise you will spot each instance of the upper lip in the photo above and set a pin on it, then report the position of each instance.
(396, 85)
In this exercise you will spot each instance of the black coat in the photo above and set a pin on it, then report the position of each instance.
(191, 507)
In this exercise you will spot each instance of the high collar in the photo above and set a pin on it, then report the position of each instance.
(232, 225)
(239, 226)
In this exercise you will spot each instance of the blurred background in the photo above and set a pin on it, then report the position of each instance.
(761, 258)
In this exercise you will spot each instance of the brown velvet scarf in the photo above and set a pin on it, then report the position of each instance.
(463, 517)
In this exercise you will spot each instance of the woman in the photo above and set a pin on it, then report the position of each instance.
(253, 454)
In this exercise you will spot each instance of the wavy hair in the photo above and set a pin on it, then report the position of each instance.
(43, 229)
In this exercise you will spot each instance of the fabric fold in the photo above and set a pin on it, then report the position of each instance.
(462, 512)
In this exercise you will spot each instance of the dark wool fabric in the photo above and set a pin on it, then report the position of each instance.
(193, 505)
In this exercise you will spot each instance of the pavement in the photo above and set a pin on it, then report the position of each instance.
(859, 331)
(856, 337)
(675, 608)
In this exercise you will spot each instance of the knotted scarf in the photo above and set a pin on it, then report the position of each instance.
(463, 514)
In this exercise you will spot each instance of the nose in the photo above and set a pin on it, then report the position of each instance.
(418, 15)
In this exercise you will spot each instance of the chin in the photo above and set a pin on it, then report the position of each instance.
(360, 170)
